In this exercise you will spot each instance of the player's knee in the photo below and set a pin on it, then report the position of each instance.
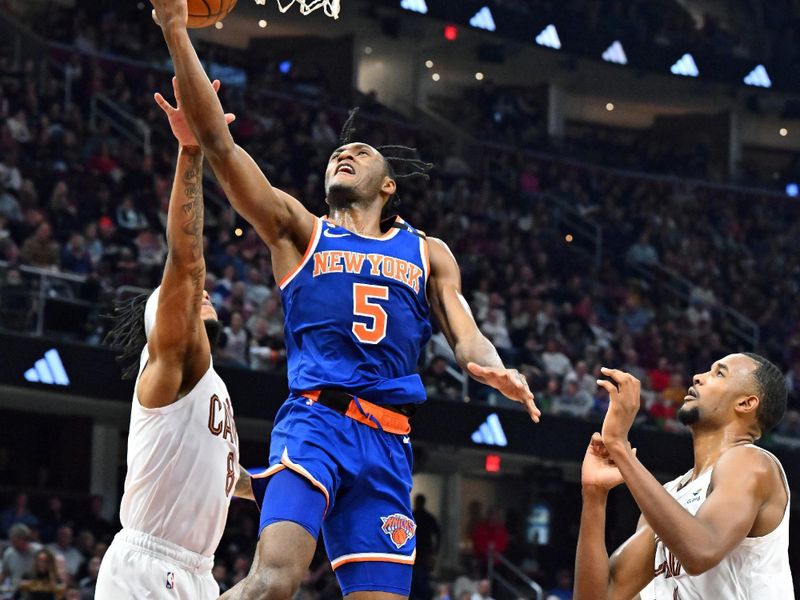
(276, 583)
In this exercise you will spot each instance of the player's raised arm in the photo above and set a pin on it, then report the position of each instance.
(178, 345)
(598, 577)
(474, 352)
(277, 217)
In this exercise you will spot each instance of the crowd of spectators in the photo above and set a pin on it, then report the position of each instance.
(515, 116)
(53, 551)
(76, 197)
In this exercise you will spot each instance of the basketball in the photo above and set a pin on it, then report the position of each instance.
(204, 13)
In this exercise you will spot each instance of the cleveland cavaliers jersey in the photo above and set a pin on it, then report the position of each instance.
(182, 466)
(357, 317)
(757, 569)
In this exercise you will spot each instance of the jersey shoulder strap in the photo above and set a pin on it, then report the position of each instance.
(400, 224)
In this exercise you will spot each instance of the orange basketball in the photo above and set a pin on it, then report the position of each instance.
(204, 13)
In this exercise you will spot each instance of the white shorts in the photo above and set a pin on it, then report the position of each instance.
(138, 566)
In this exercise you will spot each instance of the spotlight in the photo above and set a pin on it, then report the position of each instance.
(479, 76)
(610, 106)
(262, 23)
(436, 77)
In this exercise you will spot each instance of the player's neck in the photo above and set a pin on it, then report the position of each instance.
(709, 445)
(358, 219)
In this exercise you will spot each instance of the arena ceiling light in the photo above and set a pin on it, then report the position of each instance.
(483, 19)
(549, 38)
(417, 6)
(615, 53)
(685, 67)
(758, 77)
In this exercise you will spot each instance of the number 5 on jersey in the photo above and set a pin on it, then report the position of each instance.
(364, 305)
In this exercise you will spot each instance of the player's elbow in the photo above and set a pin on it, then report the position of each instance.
(700, 561)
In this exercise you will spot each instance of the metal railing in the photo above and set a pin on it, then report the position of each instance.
(587, 234)
(527, 586)
(120, 121)
(24, 300)
(124, 123)
(743, 329)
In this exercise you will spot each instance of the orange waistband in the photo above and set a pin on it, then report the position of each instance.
(371, 414)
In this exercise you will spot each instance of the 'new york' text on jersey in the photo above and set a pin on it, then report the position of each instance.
(357, 316)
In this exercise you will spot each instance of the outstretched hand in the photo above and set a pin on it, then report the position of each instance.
(623, 405)
(509, 382)
(177, 119)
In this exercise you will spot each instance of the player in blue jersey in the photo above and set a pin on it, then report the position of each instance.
(357, 302)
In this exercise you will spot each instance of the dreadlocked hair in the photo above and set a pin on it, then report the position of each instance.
(349, 127)
(399, 167)
(127, 334)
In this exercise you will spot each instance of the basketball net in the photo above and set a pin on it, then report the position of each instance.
(331, 7)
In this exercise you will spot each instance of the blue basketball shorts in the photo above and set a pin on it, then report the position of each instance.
(364, 475)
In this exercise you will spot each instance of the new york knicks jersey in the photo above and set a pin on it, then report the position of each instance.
(357, 316)
(182, 466)
(757, 569)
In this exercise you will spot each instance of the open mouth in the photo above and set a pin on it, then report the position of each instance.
(691, 395)
(345, 168)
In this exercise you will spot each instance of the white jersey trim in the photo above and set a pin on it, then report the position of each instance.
(287, 463)
(374, 557)
(312, 245)
(787, 509)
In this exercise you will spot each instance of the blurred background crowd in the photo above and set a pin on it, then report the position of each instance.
(575, 253)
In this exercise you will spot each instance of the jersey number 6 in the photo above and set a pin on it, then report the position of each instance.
(364, 306)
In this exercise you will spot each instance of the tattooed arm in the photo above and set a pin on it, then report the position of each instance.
(178, 346)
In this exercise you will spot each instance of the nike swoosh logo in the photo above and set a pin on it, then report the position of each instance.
(327, 233)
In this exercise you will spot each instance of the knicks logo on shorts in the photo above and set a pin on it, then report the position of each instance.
(170, 580)
(399, 528)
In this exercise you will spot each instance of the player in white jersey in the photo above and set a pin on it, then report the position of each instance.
(183, 451)
(719, 532)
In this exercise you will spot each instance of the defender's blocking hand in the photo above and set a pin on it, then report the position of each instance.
(623, 406)
(177, 120)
